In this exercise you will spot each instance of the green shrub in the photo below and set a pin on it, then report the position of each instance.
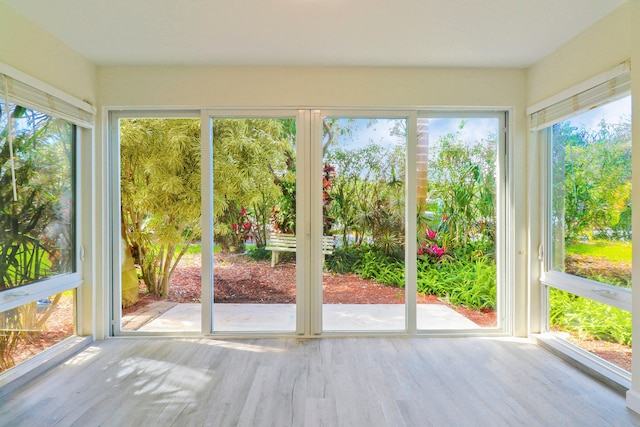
(344, 259)
(588, 318)
(378, 266)
(368, 262)
(471, 283)
(258, 253)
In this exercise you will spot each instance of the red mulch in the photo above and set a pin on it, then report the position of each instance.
(58, 327)
(240, 280)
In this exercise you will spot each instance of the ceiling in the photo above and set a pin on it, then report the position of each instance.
(432, 33)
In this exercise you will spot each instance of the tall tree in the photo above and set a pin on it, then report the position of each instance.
(591, 178)
(160, 190)
(254, 168)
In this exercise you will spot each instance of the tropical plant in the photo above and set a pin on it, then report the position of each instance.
(377, 265)
(36, 214)
(36, 195)
(471, 283)
(462, 176)
(592, 180)
(254, 169)
(367, 196)
(160, 192)
(587, 318)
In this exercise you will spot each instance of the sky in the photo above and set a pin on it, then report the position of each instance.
(364, 132)
(612, 112)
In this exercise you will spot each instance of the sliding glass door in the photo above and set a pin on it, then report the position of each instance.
(460, 187)
(253, 205)
(363, 194)
(308, 222)
(158, 223)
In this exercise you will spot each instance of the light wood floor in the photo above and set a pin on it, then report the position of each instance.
(330, 381)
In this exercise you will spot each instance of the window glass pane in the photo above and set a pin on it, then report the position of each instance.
(37, 197)
(591, 194)
(160, 231)
(32, 328)
(598, 328)
(457, 222)
(363, 213)
(254, 226)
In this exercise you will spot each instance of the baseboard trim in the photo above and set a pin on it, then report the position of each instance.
(633, 401)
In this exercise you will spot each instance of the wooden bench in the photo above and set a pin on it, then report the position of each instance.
(287, 243)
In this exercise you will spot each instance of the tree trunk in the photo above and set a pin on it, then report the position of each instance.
(422, 160)
(129, 278)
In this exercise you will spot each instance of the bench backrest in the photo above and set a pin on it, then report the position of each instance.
(283, 240)
(288, 241)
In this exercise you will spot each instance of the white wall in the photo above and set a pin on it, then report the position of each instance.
(609, 42)
(308, 86)
(601, 47)
(28, 48)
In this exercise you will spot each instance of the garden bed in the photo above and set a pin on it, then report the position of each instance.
(239, 280)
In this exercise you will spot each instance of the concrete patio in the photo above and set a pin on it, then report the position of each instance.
(281, 317)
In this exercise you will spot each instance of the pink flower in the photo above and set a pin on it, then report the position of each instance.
(431, 235)
(235, 227)
(436, 250)
(243, 211)
(246, 225)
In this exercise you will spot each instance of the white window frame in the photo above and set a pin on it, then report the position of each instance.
(114, 313)
(563, 106)
(614, 296)
(410, 115)
(31, 93)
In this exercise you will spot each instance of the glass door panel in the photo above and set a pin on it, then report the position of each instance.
(363, 223)
(160, 216)
(254, 224)
(457, 204)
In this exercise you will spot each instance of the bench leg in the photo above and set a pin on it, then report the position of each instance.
(274, 258)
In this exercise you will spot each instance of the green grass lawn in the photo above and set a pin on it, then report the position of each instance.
(196, 248)
(613, 251)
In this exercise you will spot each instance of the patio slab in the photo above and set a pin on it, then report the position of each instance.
(281, 317)
(144, 315)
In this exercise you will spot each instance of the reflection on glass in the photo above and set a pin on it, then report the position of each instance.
(32, 328)
(598, 328)
(591, 194)
(456, 225)
(37, 196)
(364, 174)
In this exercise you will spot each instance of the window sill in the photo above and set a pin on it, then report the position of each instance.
(612, 376)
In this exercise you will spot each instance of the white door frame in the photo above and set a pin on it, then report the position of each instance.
(309, 213)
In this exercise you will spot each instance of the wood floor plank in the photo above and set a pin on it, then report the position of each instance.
(323, 382)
